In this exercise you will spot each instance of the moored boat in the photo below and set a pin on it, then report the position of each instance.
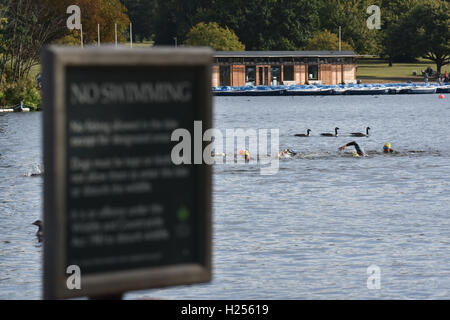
(443, 89)
(366, 91)
(422, 90)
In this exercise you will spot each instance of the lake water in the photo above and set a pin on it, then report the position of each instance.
(308, 232)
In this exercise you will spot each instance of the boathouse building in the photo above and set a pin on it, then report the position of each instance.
(240, 68)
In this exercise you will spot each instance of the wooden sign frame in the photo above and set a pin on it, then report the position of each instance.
(55, 61)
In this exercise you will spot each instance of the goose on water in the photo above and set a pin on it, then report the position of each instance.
(40, 232)
(303, 134)
(328, 134)
(360, 134)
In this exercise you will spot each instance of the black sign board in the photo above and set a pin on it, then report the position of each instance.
(116, 206)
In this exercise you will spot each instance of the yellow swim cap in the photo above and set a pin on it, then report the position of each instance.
(355, 154)
(387, 145)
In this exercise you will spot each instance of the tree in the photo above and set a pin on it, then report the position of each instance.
(325, 40)
(425, 31)
(105, 13)
(174, 19)
(142, 14)
(112, 12)
(393, 12)
(211, 34)
(269, 24)
(29, 25)
(352, 16)
(259, 24)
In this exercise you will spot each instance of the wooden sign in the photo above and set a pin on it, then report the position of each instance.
(116, 207)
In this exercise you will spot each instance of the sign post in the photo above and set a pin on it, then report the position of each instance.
(116, 208)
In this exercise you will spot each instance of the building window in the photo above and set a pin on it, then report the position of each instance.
(250, 76)
(288, 73)
(276, 75)
(224, 75)
(313, 72)
(266, 76)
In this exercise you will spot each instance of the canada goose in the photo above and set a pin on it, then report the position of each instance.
(327, 134)
(302, 134)
(40, 232)
(360, 134)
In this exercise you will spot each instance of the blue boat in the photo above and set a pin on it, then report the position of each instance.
(307, 90)
(367, 90)
(422, 89)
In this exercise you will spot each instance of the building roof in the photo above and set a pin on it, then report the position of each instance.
(282, 54)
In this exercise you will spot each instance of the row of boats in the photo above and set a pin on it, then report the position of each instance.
(348, 89)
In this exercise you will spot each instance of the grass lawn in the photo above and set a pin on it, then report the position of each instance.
(378, 71)
(144, 44)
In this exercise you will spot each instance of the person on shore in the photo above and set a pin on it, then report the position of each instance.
(425, 76)
(446, 79)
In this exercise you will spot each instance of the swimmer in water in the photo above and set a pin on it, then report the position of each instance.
(387, 148)
(287, 153)
(359, 152)
(246, 155)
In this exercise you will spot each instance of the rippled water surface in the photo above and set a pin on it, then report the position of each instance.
(308, 232)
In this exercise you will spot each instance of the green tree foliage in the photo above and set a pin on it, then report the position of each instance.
(392, 12)
(281, 25)
(325, 40)
(352, 16)
(211, 34)
(174, 19)
(260, 24)
(425, 31)
(142, 13)
(24, 91)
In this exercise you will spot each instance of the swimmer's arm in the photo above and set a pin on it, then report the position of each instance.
(353, 143)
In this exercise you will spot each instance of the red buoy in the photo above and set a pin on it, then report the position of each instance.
(441, 96)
